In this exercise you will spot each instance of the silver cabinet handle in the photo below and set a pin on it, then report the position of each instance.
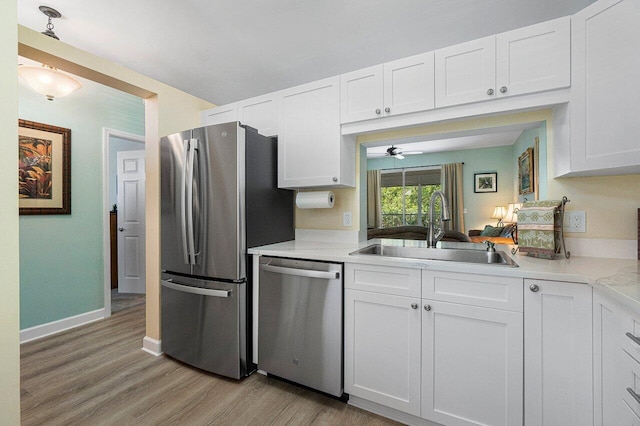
(377, 110)
(335, 179)
(534, 288)
(195, 290)
(490, 92)
(635, 339)
(503, 89)
(387, 109)
(309, 273)
(427, 307)
(634, 395)
(121, 229)
(414, 305)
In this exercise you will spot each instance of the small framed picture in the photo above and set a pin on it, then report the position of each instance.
(485, 182)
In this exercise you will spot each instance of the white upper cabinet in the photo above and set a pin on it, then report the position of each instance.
(534, 58)
(398, 87)
(311, 150)
(261, 113)
(218, 115)
(466, 72)
(526, 60)
(361, 94)
(605, 95)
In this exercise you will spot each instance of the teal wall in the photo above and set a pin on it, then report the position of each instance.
(61, 256)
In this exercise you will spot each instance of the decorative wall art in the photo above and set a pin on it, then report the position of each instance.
(44, 168)
(485, 182)
(525, 172)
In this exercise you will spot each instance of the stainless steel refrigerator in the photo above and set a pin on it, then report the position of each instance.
(219, 196)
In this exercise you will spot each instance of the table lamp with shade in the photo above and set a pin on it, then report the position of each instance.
(499, 213)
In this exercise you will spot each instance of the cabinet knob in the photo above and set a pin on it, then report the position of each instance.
(387, 109)
(490, 92)
(414, 305)
(335, 179)
(534, 288)
(121, 229)
(427, 307)
(377, 110)
(503, 89)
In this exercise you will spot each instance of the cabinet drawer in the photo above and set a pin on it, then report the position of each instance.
(478, 290)
(631, 383)
(383, 279)
(631, 336)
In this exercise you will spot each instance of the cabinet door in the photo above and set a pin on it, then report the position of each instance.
(534, 58)
(558, 351)
(607, 383)
(409, 84)
(382, 349)
(261, 113)
(309, 146)
(219, 115)
(361, 94)
(472, 365)
(466, 72)
(605, 92)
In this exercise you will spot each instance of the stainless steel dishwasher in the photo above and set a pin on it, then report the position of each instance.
(300, 322)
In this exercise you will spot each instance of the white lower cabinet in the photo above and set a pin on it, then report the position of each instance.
(558, 354)
(382, 349)
(471, 365)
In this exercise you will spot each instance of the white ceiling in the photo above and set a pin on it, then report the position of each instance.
(227, 50)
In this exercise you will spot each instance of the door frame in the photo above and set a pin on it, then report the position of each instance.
(107, 134)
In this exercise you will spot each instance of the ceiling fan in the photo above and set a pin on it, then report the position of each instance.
(396, 152)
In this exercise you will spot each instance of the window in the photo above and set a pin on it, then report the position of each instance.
(405, 195)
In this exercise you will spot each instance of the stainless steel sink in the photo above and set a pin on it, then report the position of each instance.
(454, 255)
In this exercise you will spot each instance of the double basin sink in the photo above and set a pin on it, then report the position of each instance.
(483, 257)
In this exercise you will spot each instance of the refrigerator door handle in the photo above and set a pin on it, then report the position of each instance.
(309, 273)
(183, 204)
(193, 146)
(195, 290)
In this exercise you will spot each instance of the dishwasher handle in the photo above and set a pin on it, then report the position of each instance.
(309, 273)
(194, 290)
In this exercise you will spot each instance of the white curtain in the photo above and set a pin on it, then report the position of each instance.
(451, 179)
(374, 203)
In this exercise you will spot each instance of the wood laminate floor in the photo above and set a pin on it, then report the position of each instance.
(98, 375)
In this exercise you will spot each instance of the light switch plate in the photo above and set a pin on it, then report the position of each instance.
(346, 218)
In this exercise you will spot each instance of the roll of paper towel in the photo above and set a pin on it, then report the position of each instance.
(315, 200)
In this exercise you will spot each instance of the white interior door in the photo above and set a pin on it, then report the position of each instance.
(131, 222)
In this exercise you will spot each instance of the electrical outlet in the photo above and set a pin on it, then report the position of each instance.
(575, 221)
(346, 218)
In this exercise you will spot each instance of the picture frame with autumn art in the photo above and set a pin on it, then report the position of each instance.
(44, 168)
(526, 175)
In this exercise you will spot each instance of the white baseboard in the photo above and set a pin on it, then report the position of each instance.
(329, 236)
(152, 346)
(43, 330)
(602, 248)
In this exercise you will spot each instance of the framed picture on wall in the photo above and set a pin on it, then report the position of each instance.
(44, 168)
(525, 172)
(485, 182)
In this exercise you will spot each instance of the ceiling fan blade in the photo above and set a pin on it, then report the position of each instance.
(399, 156)
(377, 154)
(412, 152)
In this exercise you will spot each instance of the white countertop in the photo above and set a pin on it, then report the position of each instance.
(618, 277)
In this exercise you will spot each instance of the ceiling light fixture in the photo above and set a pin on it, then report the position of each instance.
(46, 80)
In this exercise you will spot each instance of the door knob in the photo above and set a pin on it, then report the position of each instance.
(121, 229)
